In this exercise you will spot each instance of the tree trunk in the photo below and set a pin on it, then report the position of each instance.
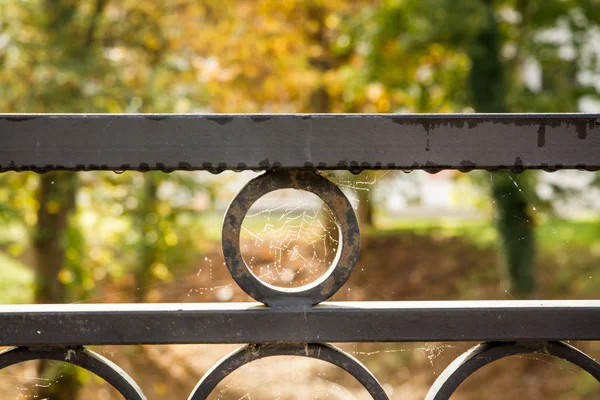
(57, 190)
(147, 224)
(515, 228)
(56, 199)
(320, 102)
(488, 90)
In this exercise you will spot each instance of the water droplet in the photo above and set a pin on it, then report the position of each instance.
(118, 171)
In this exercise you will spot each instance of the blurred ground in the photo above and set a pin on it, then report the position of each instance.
(422, 267)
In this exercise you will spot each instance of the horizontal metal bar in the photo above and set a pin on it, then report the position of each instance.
(83, 324)
(325, 141)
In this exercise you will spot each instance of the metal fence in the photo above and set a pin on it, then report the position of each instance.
(292, 149)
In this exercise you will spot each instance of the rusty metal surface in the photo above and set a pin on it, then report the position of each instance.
(252, 352)
(348, 247)
(80, 357)
(486, 353)
(218, 142)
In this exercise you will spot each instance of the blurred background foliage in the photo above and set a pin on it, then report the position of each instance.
(93, 236)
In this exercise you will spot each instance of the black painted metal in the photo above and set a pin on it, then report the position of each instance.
(293, 321)
(82, 324)
(80, 357)
(317, 351)
(329, 141)
(347, 250)
(486, 353)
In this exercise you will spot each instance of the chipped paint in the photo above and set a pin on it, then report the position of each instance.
(300, 142)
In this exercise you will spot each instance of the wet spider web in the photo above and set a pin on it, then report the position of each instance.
(296, 235)
(289, 240)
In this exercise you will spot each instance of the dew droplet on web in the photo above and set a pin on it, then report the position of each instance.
(224, 293)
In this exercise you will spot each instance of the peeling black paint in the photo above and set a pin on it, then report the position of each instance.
(220, 120)
(18, 119)
(541, 139)
(354, 168)
(581, 128)
(427, 167)
(466, 166)
(518, 165)
(405, 148)
(432, 168)
(260, 119)
(473, 120)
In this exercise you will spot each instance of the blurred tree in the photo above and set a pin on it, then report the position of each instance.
(545, 48)
(87, 56)
(56, 200)
(485, 56)
(57, 191)
(164, 224)
(297, 52)
(514, 219)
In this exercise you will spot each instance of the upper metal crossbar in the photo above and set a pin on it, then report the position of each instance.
(218, 142)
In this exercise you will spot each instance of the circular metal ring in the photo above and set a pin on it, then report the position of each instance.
(347, 252)
(486, 353)
(319, 351)
(80, 357)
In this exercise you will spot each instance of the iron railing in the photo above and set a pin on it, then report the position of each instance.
(292, 148)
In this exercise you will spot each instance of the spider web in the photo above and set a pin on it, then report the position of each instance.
(296, 237)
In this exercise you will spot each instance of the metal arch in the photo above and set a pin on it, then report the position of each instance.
(486, 353)
(80, 357)
(319, 351)
(347, 253)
